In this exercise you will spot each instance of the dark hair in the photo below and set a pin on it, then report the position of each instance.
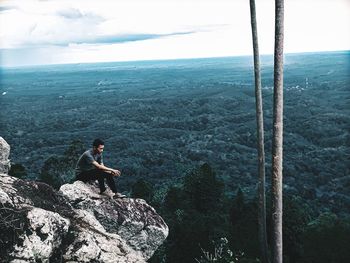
(98, 142)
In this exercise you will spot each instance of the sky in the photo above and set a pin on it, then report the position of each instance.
(36, 32)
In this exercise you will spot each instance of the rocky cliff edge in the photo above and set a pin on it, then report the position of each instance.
(74, 224)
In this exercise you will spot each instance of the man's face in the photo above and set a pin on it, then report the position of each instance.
(99, 149)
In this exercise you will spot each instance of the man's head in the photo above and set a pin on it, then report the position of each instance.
(98, 145)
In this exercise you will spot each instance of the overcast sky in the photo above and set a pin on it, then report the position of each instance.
(75, 31)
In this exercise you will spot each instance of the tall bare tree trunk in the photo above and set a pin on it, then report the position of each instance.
(260, 137)
(277, 148)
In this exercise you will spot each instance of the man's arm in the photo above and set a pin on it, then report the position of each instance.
(106, 169)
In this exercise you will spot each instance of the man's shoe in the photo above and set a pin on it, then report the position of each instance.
(107, 193)
(119, 195)
(102, 191)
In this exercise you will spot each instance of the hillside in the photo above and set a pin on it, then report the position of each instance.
(160, 119)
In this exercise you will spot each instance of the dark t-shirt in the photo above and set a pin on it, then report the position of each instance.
(85, 161)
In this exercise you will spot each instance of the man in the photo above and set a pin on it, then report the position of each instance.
(90, 167)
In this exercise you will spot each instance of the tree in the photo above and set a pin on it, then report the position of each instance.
(173, 199)
(195, 215)
(59, 169)
(277, 143)
(203, 189)
(142, 189)
(244, 225)
(18, 170)
(75, 149)
(56, 171)
(260, 135)
(297, 215)
(327, 239)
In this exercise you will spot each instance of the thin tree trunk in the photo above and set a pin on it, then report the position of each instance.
(260, 137)
(277, 148)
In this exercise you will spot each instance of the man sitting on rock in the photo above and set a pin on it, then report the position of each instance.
(90, 167)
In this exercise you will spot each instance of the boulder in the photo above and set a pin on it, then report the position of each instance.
(74, 224)
(4, 156)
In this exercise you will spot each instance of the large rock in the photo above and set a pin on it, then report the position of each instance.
(75, 224)
(131, 219)
(4, 156)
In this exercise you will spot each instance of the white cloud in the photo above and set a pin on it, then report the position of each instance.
(63, 22)
(87, 31)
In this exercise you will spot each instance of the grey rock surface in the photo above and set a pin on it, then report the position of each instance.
(75, 224)
(4, 156)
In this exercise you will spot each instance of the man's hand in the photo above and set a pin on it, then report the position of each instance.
(113, 172)
(116, 172)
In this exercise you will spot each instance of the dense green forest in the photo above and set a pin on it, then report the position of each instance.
(183, 134)
(159, 119)
(203, 219)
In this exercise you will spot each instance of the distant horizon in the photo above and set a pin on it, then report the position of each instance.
(166, 59)
(85, 31)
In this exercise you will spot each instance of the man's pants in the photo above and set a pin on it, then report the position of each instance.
(99, 175)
